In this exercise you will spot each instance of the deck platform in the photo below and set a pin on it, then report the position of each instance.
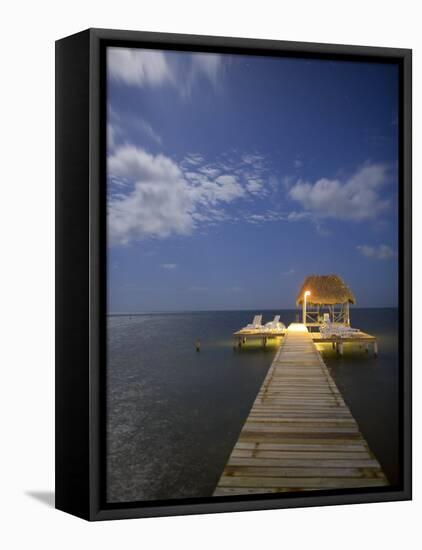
(361, 339)
(243, 335)
(299, 435)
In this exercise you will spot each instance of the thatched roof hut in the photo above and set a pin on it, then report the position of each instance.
(325, 290)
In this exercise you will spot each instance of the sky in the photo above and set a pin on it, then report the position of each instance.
(231, 178)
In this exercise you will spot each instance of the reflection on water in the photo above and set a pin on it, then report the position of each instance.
(174, 414)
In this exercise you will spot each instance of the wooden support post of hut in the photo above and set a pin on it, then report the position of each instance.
(325, 292)
(347, 314)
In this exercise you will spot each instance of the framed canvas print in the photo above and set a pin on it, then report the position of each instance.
(233, 274)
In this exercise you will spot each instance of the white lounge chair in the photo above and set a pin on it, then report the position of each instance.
(326, 330)
(275, 325)
(329, 329)
(274, 321)
(256, 323)
(344, 331)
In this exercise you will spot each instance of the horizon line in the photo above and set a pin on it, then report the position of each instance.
(152, 312)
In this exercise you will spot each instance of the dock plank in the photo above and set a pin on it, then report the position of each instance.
(299, 434)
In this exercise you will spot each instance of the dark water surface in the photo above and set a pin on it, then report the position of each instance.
(175, 414)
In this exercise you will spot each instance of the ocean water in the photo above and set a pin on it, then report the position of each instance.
(174, 414)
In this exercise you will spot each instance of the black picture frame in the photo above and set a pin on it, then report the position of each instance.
(81, 275)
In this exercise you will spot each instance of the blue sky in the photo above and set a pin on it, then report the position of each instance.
(232, 178)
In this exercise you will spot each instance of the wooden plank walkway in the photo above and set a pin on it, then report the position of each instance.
(300, 434)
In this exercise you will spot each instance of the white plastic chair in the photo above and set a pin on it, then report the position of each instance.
(256, 323)
(275, 325)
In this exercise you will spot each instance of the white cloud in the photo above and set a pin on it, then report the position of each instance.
(119, 127)
(194, 159)
(288, 272)
(274, 216)
(257, 218)
(153, 68)
(153, 208)
(149, 131)
(208, 64)
(135, 163)
(209, 171)
(169, 266)
(208, 191)
(297, 216)
(158, 203)
(138, 67)
(227, 188)
(381, 252)
(356, 199)
(161, 198)
(254, 186)
(252, 158)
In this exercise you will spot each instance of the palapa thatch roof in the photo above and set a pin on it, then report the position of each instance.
(325, 289)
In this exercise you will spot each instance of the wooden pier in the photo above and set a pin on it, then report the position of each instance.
(300, 434)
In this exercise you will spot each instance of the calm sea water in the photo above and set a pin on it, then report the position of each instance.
(174, 414)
